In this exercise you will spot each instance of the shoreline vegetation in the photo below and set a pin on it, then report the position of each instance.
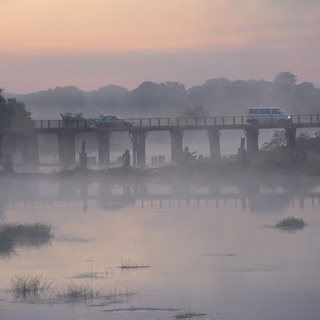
(200, 167)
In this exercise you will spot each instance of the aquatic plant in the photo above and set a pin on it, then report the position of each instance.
(96, 274)
(187, 313)
(23, 234)
(291, 223)
(78, 291)
(128, 264)
(28, 286)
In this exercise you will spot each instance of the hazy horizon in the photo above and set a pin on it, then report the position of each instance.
(7, 93)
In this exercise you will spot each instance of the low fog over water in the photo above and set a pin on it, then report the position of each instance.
(188, 238)
(161, 248)
(135, 222)
(157, 144)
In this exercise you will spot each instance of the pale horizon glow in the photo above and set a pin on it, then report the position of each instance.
(93, 43)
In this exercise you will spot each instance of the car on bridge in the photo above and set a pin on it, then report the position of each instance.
(268, 115)
(110, 121)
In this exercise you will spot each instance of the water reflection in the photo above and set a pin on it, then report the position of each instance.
(269, 194)
(206, 244)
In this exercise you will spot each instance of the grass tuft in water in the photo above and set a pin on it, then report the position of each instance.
(291, 223)
(79, 292)
(128, 264)
(187, 313)
(23, 234)
(11, 231)
(28, 286)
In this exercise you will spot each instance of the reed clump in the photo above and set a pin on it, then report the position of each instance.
(188, 314)
(23, 234)
(128, 264)
(79, 292)
(28, 286)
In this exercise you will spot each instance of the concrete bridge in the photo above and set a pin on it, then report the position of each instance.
(66, 131)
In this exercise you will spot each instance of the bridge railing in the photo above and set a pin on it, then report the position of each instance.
(306, 118)
(53, 124)
(195, 121)
(146, 122)
(205, 121)
(163, 122)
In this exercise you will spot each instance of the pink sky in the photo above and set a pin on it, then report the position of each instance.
(94, 43)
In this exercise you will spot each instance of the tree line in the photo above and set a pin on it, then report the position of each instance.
(216, 97)
(13, 113)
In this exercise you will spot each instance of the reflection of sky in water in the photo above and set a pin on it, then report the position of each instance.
(216, 256)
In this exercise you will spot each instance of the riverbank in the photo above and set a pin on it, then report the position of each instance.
(193, 172)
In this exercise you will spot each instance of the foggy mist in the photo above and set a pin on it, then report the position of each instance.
(181, 208)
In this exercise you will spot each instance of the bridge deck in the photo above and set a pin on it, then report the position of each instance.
(168, 124)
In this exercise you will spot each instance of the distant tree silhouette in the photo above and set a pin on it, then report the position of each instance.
(13, 114)
(60, 99)
(286, 78)
(195, 111)
(169, 99)
(153, 97)
(109, 97)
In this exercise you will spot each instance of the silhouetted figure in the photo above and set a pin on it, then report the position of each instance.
(126, 159)
(8, 164)
(187, 155)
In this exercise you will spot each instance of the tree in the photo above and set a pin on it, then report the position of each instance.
(157, 98)
(14, 114)
(109, 98)
(278, 141)
(310, 143)
(195, 111)
(286, 79)
(70, 119)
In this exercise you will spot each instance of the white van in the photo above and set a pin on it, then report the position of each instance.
(268, 115)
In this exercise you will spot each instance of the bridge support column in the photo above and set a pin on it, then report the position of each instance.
(291, 137)
(103, 148)
(176, 145)
(214, 143)
(252, 142)
(138, 148)
(66, 147)
(1, 149)
(30, 150)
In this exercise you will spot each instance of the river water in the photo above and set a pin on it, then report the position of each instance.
(210, 251)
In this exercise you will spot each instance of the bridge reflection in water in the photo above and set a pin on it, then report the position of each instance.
(30, 192)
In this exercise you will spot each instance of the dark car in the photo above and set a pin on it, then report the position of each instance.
(113, 121)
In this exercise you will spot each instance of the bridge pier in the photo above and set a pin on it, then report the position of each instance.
(1, 149)
(30, 150)
(214, 143)
(138, 148)
(176, 145)
(66, 147)
(291, 137)
(252, 142)
(103, 148)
